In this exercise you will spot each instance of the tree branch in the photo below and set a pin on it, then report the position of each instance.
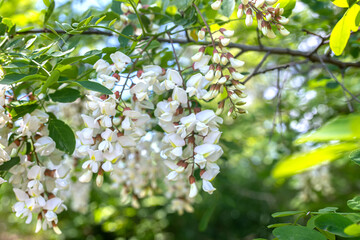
(310, 55)
(87, 32)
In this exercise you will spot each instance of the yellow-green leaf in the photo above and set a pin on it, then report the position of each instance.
(351, 15)
(340, 36)
(353, 230)
(302, 162)
(341, 3)
(344, 128)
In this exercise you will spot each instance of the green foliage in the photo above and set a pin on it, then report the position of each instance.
(333, 223)
(94, 86)
(354, 203)
(297, 233)
(62, 134)
(9, 164)
(341, 32)
(65, 95)
(301, 162)
(23, 108)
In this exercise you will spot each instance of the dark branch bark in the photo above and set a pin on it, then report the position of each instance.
(87, 32)
(310, 55)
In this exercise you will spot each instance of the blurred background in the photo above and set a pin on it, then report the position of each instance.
(282, 105)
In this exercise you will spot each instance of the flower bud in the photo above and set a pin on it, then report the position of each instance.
(224, 41)
(240, 11)
(124, 8)
(216, 56)
(271, 34)
(99, 180)
(197, 57)
(218, 72)
(220, 108)
(56, 228)
(270, 2)
(283, 31)
(281, 11)
(230, 112)
(236, 75)
(192, 179)
(238, 85)
(268, 16)
(227, 33)
(249, 18)
(201, 34)
(124, 19)
(259, 3)
(236, 63)
(209, 75)
(283, 20)
(216, 5)
(224, 60)
(222, 80)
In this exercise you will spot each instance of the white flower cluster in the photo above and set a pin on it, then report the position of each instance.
(265, 13)
(223, 73)
(139, 172)
(108, 130)
(37, 188)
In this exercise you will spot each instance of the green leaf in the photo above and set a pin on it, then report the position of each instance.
(65, 95)
(340, 3)
(49, 11)
(205, 219)
(53, 78)
(328, 209)
(301, 162)
(60, 54)
(288, 6)
(95, 86)
(63, 135)
(20, 110)
(30, 42)
(353, 230)
(286, 213)
(333, 223)
(12, 78)
(227, 7)
(100, 19)
(354, 203)
(128, 31)
(70, 60)
(25, 78)
(9, 164)
(344, 128)
(341, 32)
(297, 233)
(355, 156)
(278, 225)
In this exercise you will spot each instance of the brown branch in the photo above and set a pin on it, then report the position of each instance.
(87, 32)
(342, 85)
(206, 24)
(257, 68)
(277, 51)
(313, 57)
(283, 66)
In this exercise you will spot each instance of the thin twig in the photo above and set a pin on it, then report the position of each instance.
(178, 65)
(134, 64)
(277, 51)
(206, 24)
(342, 85)
(257, 67)
(348, 101)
